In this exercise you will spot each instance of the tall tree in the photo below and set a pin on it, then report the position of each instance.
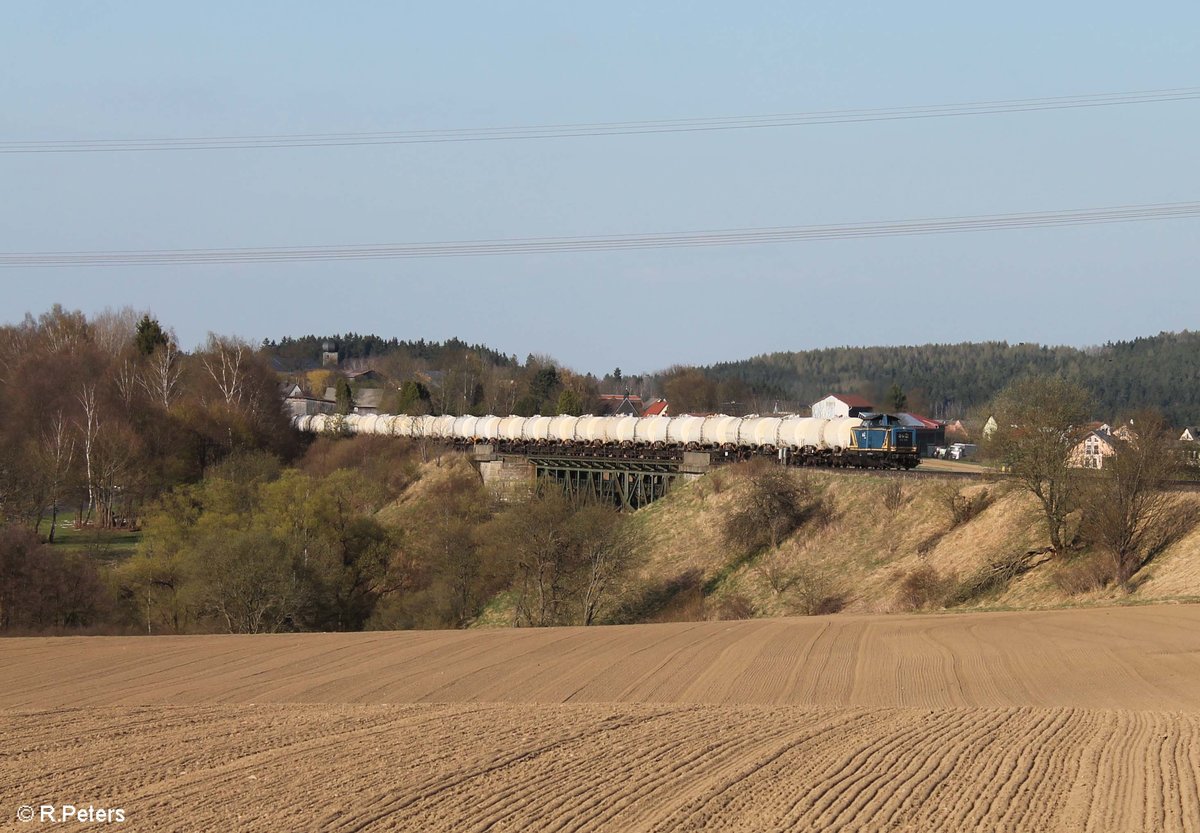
(149, 336)
(569, 403)
(344, 397)
(1128, 504)
(1040, 422)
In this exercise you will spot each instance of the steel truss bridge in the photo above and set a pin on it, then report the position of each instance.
(630, 482)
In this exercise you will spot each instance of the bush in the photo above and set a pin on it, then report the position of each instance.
(893, 495)
(775, 504)
(813, 592)
(42, 589)
(1085, 574)
(734, 606)
(922, 588)
(965, 507)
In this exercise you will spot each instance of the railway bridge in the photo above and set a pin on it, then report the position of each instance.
(629, 480)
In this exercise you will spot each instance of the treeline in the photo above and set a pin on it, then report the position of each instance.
(951, 380)
(303, 352)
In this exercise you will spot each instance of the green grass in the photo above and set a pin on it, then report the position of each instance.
(104, 544)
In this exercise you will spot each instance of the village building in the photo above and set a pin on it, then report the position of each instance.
(1096, 446)
(839, 406)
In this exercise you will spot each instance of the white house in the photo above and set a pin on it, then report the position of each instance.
(837, 405)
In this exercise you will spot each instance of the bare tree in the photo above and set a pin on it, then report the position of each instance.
(116, 472)
(113, 330)
(63, 331)
(162, 374)
(1040, 422)
(225, 360)
(776, 503)
(57, 449)
(125, 376)
(1128, 506)
(89, 428)
(603, 554)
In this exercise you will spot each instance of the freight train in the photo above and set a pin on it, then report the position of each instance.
(871, 441)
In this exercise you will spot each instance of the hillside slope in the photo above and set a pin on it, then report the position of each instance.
(883, 544)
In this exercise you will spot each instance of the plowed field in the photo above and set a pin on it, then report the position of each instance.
(1067, 720)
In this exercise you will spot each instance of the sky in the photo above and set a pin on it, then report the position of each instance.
(114, 70)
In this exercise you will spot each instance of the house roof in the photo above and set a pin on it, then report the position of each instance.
(656, 408)
(921, 422)
(1102, 435)
(615, 403)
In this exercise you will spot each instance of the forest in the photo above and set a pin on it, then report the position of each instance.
(949, 381)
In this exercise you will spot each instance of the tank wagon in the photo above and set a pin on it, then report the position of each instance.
(874, 441)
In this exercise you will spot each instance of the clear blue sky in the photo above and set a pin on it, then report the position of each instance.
(82, 70)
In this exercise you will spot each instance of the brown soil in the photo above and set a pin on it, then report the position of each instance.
(1063, 720)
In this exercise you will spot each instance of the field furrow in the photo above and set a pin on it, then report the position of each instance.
(1053, 721)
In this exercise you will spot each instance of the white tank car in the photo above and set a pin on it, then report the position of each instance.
(592, 429)
(536, 429)
(653, 430)
(487, 429)
(624, 429)
(714, 431)
(464, 427)
(722, 430)
(511, 427)
(838, 433)
(562, 428)
(802, 432)
(684, 430)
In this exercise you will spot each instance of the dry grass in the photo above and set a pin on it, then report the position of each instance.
(876, 534)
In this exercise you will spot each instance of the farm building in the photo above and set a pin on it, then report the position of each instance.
(838, 405)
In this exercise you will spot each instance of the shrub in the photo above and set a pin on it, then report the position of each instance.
(774, 506)
(923, 587)
(734, 606)
(965, 507)
(1085, 574)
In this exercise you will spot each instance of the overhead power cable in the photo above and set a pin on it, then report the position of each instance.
(626, 128)
(659, 240)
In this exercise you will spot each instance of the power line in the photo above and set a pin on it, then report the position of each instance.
(658, 240)
(627, 128)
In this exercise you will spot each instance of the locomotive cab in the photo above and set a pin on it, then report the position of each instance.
(882, 441)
